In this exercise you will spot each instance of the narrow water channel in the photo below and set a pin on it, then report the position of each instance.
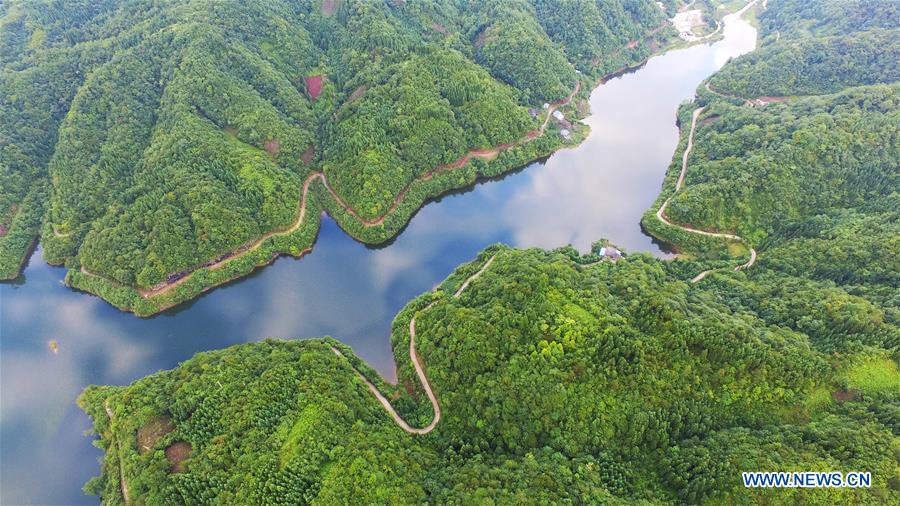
(343, 289)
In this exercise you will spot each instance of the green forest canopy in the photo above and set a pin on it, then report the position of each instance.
(147, 138)
(567, 382)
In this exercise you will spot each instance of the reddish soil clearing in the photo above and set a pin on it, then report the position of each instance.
(308, 155)
(328, 7)
(439, 28)
(273, 146)
(176, 453)
(150, 433)
(313, 86)
(3, 230)
(843, 396)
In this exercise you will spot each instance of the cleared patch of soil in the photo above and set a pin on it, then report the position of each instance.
(313, 86)
(843, 396)
(771, 100)
(711, 119)
(328, 7)
(152, 431)
(439, 28)
(3, 230)
(272, 146)
(176, 453)
(481, 39)
(308, 155)
(632, 43)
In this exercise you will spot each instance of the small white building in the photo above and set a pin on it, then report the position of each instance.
(546, 105)
(610, 252)
(565, 134)
(558, 115)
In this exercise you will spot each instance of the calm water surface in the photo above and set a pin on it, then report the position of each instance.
(343, 289)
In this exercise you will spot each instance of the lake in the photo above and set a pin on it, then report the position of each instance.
(343, 288)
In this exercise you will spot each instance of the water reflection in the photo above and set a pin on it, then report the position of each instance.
(343, 288)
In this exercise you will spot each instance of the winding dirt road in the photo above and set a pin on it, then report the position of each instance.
(486, 154)
(123, 486)
(417, 364)
(661, 212)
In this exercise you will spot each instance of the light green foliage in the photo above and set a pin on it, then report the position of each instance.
(874, 375)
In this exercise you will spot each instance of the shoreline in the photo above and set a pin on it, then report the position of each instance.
(150, 305)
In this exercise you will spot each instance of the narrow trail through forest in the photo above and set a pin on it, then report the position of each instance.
(417, 364)
(486, 154)
(661, 212)
(123, 486)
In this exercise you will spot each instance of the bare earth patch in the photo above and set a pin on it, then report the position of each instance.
(440, 28)
(272, 146)
(176, 453)
(328, 7)
(759, 101)
(313, 86)
(152, 431)
(3, 230)
(844, 396)
(481, 39)
(711, 119)
(308, 155)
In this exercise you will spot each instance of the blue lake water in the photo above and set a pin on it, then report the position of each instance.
(343, 288)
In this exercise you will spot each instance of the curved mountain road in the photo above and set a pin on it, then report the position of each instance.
(417, 364)
(661, 212)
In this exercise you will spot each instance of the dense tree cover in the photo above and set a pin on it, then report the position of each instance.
(147, 139)
(430, 112)
(753, 169)
(592, 31)
(792, 18)
(557, 382)
(811, 65)
(566, 380)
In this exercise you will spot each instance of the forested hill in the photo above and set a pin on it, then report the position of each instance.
(148, 139)
(620, 383)
(565, 379)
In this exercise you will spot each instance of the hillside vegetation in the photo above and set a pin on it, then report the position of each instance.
(145, 140)
(564, 380)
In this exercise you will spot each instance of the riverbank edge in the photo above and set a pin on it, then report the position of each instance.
(112, 422)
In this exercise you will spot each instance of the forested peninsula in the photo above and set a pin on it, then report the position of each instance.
(158, 149)
(560, 378)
